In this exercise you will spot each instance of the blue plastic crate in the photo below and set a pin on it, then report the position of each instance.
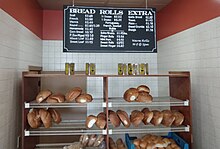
(171, 135)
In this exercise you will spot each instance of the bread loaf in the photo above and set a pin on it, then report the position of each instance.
(157, 118)
(179, 118)
(55, 115)
(136, 117)
(114, 119)
(33, 118)
(56, 98)
(42, 95)
(101, 120)
(148, 115)
(168, 118)
(120, 144)
(131, 94)
(143, 88)
(123, 116)
(73, 94)
(92, 139)
(45, 118)
(90, 121)
(144, 97)
(98, 140)
(112, 144)
(84, 98)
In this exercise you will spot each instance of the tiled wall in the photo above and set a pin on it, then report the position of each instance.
(19, 48)
(197, 50)
(106, 63)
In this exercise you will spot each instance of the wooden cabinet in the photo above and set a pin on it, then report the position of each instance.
(71, 127)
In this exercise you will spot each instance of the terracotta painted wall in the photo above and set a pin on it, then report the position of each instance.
(183, 14)
(52, 25)
(27, 12)
(177, 16)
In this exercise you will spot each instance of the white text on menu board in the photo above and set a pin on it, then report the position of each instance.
(133, 26)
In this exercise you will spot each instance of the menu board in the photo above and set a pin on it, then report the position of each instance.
(110, 30)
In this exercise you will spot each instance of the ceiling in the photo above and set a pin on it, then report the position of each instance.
(58, 4)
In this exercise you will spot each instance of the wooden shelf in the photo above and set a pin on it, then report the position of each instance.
(61, 74)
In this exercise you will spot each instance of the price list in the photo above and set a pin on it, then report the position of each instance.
(90, 29)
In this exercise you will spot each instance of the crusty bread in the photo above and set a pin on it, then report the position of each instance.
(73, 94)
(143, 88)
(55, 115)
(124, 118)
(114, 119)
(42, 95)
(56, 98)
(136, 117)
(33, 118)
(131, 94)
(45, 118)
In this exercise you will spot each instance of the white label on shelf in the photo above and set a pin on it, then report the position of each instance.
(110, 104)
(110, 131)
(26, 133)
(26, 105)
(187, 128)
(104, 132)
(186, 103)
(104, 104)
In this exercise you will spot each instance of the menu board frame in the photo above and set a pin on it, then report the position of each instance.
(68, 47)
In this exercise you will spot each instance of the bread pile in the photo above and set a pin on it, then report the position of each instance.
(118, 145)
(73, 95)
(155, 142)
(139, 94)
(91, 141)
(99, 120)
(36, 117)
(155, 117)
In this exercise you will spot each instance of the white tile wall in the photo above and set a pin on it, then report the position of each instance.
(106, 63)
(197, 50)
(19, 48)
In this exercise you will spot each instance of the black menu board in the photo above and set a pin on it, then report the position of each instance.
(110, 30)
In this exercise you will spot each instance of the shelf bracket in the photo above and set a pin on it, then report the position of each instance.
(26, 105)
(187, 129)
(26, 133)
(186, 103)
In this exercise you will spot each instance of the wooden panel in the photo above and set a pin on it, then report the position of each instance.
(105, 94)
(30, 88)
(180, 88)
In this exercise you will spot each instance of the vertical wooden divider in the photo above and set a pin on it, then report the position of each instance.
(105, 94)
(180, 88)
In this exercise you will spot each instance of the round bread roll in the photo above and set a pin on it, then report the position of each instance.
(101, 120)
(137, 142)
(143, 144)
(56, 98)
(85, 140)
(90, 121)
(73, 94)
(148, 115)
(114, 119)
(92, 139)
(144, 97)
(168, 118)
(150, 146)
(143, 88)
(124, 118)
(55, 115)
(33, 118)
(98, 140)
(131, 94)
(179, 118)
(84, 98)
(42, 95)
(120, 144)
(45, 118)
(136, 117)
(157, 118)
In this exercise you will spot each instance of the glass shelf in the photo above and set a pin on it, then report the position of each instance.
(146, 129)
(157, 101)
(112, 102)
(65, 128)
(97, 102)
